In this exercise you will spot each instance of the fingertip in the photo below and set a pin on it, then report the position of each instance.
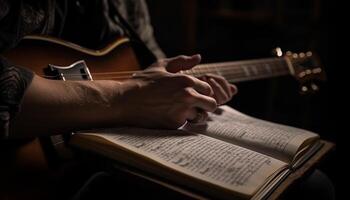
(214, 105)
(234, 89)
(197, 57)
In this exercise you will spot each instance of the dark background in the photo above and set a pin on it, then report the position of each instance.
(226, 30)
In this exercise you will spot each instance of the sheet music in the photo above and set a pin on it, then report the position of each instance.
(230, 125)
(198, 155)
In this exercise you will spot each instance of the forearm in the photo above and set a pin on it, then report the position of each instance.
(155, 98)
(53, 107)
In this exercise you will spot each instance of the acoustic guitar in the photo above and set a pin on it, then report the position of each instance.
(29, 168)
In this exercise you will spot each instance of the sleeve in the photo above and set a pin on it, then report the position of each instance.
(13, 83)
(144, 28)
(13, 80)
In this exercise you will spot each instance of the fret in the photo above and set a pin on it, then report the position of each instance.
(242, 78)
(217, 71)
(208, 69)
(192, 71)
(201, 71)
(243, 70)
(246, 70)
(267, 67)
(254, 69)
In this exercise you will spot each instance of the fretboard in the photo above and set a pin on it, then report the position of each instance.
(239, 71)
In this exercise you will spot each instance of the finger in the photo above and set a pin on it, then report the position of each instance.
(223, 83)
(234, 89)
(158, 65)
(204, 102)
(151, 74)
(182, 62)
(219, 93)
(203, 87)
(189, 81)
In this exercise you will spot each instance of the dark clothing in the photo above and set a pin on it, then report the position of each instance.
(89, 23)
(102, 186)
(13, 82)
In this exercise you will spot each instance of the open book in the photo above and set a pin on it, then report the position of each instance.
(232, 155)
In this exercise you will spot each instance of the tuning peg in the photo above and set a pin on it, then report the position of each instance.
(304, 89)
(309, 88)
(295, 55)
(314, 87)
(317, 70)
(277, 52)
(302, 55)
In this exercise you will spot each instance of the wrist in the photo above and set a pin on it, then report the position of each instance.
(109, 102)
(96, 102)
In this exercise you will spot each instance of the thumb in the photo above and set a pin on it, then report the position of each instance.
(179, 63)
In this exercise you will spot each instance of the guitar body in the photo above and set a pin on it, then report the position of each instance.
(26, 170)
(36, 54)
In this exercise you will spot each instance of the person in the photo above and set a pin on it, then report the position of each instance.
(157, 97)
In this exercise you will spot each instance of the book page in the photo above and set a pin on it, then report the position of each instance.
(277, 140)
(205, 158)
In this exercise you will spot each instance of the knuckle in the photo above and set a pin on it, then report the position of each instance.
(184, 80)
(207, 86)
(208, 89)
(182, 57)
(218, 78)
(212, 105)
(159, 62)
(162, 74)
(188, 80)
(187, 96)
(221, 78)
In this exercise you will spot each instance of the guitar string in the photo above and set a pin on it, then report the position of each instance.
(199, 70)
(225, 66)
(227, 75)
(231, 76)
(228, 78)
(190, 72)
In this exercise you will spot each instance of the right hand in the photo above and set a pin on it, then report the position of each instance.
(158, 97)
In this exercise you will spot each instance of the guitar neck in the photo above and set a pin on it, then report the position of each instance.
(236, 71)
(239, 71)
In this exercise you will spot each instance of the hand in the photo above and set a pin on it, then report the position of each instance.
(223, 90)
(160, 98)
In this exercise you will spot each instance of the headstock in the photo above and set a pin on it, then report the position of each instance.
(306, 68)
